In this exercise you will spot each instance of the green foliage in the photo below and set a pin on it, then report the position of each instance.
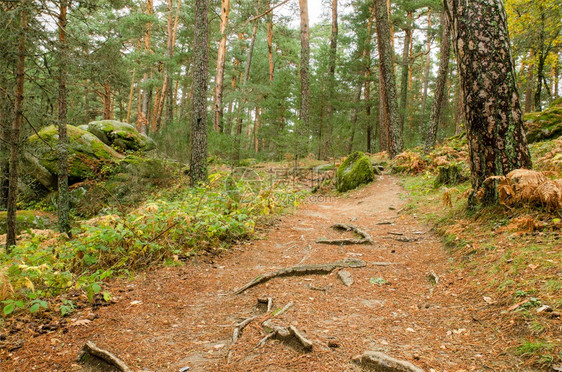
(176, 225)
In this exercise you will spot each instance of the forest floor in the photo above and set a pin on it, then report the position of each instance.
(175, 317)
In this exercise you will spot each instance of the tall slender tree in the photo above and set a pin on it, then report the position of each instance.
(388, 79)
(439, 100)
(63, 209)
(304, 108)
(221, 58)
(495, 132)
(198, 139)
(16, 128)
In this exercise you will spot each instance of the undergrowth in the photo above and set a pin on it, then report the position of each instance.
(512, 257)
(176, 224)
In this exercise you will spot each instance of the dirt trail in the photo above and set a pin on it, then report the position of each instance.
(172, 318)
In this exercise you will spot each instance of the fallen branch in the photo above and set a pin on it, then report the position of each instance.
(366, 238)
(383, 263)
(106, 356)
(300, 270)
(285, 308)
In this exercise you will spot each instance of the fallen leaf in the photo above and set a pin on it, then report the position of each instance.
(136, 302)
(80, 322)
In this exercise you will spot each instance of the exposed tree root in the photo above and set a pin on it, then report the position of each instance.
(299, 270)
(106, 356)
(366, 238)
(290, 335)
(403, 239)
(240, 327)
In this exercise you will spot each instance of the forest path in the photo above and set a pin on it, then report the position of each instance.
(177, 317)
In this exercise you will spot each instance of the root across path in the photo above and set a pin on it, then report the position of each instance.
(406, 305)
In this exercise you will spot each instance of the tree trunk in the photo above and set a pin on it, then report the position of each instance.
(353, 117)
(304, 109)
(460, 116)
(529, 83)
(5, 121)
(540, 77)
(131, 95)
(270, 43)
(366, 58)
(170, 100)
(221, 58)
(405, 70)
(387, 70)
(63, 210)
(143, 121)
(426, 73)
(15, 130)
(198, 139)
(331, 82)
(242, 104)
(555, 76)
(106, 97)
(439, 100)
(495, 132)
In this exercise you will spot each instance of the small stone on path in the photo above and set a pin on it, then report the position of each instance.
(345, 277)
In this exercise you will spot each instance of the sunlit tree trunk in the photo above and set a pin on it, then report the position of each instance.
(495, 132)
(198, 139)
(387, 77)
(221, 58)
(131, 96)
(439, 99)
(529, 82)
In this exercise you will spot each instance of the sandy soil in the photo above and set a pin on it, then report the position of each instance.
(176, 317)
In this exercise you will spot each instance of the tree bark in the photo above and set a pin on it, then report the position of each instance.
(325, 142)
(405, 70)
(304, 109)
(387, 70)
(353, 117)
(131, 95)
(439, 100)
(242, 104)
(529, 83)
(198, 138)
(63, 210)
(15, 130)
(426, 73)
(366, 59)
(495, 132)
(270, 43)
(221, 58)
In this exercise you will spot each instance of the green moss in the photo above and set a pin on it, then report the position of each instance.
(87, 155)
(354, 171)
(29, 220)
(544, 125)
(122, 136)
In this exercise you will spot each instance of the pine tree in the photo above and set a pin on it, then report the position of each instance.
(495, 132)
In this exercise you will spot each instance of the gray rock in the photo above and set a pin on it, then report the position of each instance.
(345, 277)
(380, 362)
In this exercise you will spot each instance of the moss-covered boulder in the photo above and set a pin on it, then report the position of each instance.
(354, 171)
(544, 125)
(29, 220)
(87, 156)
(121, 136)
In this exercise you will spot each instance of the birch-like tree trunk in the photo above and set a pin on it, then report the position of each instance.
(221, 58)
(495, 132)
(405, 69)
